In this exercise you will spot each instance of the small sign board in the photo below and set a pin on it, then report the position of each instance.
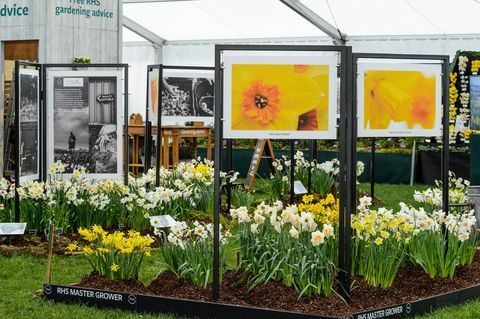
(299, 188)
(8, 229)
(256, 158)
(162, 221)
(105, 98)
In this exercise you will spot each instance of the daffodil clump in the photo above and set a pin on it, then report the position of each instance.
(75, 201)
(440, 252)
(379, 243)
(283, 244)
(457, 190)
(324, 210)
(187, 251)
(323, 175)
(114, 255)
(7, 196)
(384, 240)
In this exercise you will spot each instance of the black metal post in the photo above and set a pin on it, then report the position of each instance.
(217, 196)
(17, 140)
(310, 160)
(147, 146)
(347, 154)
(445, 138)
(229, 171)
(159, 126)
(125, 124)
(43, 132)
(372, 168)
(292, 171)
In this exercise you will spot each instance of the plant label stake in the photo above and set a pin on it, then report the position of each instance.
(48, 276)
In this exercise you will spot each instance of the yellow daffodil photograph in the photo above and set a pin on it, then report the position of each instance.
(399, 100)
(280, 99)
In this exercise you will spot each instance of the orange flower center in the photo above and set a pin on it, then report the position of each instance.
(261, 102)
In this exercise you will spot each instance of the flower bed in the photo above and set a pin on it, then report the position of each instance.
(272, 254)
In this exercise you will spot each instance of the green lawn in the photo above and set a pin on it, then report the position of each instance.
(392, 194)
(21, 276)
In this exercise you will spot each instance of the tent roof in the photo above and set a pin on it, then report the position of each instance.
(220, 19)
(175, 20)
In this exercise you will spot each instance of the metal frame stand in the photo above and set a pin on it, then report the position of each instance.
(41, 122)
(444, 61)
(160, 68)
(347, 156)
(73, 66)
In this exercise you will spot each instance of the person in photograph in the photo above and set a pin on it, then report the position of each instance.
(71, 141)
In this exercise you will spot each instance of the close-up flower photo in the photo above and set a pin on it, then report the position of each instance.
(281, 97)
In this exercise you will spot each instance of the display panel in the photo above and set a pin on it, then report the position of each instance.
(29, 109)
(85, 121)
(399, 100)
(283, 96)
(186, 96)
(475, 102)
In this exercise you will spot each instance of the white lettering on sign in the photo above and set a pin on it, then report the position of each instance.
(89, 294)
(384, 313)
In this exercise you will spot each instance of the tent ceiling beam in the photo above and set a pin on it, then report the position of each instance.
(142, 31)
(316, 20)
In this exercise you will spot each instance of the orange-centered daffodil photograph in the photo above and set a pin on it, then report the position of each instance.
(280, 97)
(400, 101)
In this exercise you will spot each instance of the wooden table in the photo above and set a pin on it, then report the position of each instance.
(173, 133)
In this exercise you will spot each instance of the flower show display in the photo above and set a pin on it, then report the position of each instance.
(28, 155)
(288, 95)
(28, 123)
(84, 121)
(185, 93)
(464, 96)
(217, 250)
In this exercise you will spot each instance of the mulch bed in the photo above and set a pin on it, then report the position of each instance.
(97, 281)
(411, 283)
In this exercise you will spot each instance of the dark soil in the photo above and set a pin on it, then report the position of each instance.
(411, 283)
(97, 281)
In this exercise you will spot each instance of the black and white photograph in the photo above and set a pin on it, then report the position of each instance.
(85, 123)
(188, 97)
(29, 120)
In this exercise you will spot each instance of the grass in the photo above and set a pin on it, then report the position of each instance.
(392, 194)
(23, 275)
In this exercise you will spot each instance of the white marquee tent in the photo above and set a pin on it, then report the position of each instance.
(183, 32)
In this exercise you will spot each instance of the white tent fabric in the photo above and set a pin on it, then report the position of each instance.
(240, 19)
(220, 19)
(138, 56)
(399, 17)
(192, 28)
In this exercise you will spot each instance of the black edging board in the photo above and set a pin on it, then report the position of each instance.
(212, 310)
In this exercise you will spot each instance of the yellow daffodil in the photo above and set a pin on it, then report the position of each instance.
(114, 267)
(279, 97)
(399, 96)
(72, 247)
(88, 251)
(378, 241)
